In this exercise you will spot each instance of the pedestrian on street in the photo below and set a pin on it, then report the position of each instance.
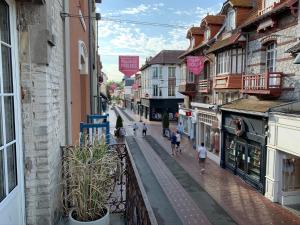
(178, 139)
(144, 129)
(135, 128)
(180, 128)
(173, 143)
(122, 133)
(202, 154)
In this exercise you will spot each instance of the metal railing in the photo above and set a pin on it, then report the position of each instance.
(204, 86)
(127, 196)
(269, 8)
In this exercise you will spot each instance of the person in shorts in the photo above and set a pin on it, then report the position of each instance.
(144, 133)
(178, 139)
(202, 154)
(173, 143)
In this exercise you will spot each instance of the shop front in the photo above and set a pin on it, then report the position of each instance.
(187, 117)
(160, 106)
(283, 161)
(145, 105)
(244, 146)
(208, 132)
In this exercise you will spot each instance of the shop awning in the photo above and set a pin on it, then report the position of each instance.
(252, 105)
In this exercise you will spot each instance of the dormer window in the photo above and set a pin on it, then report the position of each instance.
(268, 6)
(206, 35)
(230, 20)
(192, 42)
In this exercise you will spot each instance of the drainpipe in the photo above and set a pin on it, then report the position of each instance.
(90, 5)
(67, 94)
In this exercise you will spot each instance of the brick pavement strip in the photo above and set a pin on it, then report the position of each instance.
(187, 210)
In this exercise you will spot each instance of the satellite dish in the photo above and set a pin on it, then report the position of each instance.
(297, 59)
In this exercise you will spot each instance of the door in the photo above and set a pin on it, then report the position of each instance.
(11, 184)
(241, 156)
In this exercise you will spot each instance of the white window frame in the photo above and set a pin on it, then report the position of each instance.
(271, 57)
(230, 20)
(155, 90)
(155, 71)
(171, 72)
(18, 120)
(206, 34)
(190, 77)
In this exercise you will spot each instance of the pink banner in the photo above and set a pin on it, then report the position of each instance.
(128, 65)
(135, 86)
(195, 64)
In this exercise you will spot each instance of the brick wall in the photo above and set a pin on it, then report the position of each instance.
(43, 108)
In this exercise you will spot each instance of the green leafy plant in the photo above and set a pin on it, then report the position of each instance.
(88, 177)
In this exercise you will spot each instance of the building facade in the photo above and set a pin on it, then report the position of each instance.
(160, 78)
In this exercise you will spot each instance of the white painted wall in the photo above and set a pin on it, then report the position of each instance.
(148, 81)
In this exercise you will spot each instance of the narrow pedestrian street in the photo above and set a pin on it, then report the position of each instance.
(215, 197)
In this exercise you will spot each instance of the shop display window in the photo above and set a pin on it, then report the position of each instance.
(230, 146)
(254, 157)
(290, 173)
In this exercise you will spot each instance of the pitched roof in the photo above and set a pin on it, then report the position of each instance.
(252, 105)
(295, 49)
(221, 43)
(214, 19)
(254, 17)
(242, 3)
(165, 57)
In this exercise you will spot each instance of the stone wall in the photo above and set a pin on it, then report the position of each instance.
(43, 107)
(256, 58)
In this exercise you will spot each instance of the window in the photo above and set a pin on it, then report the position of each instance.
(160, 72)
(206, 71)
(171, 86)
(230, 20)
(192, 42)
(155, 72)
(155, 90)
(172, 72)
(271, 57)
(207, 35)
(270, 3)
(160, 91)
(190, 78)
(232, 61)
(8, 150)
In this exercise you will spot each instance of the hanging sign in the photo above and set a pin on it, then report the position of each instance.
(195, 64)
(128, 65)
(135, 86)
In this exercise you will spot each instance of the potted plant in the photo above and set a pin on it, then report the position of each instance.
(88, 179)
(165, 123)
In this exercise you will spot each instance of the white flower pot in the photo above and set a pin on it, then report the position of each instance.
(102, 221)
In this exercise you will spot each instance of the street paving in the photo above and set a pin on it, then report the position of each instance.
(216, 197)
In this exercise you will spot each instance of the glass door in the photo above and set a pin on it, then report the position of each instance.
(241, 157)
(253, 161)
(11, 193)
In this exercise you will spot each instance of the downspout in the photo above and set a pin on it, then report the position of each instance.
(90, 5)
(67, 94)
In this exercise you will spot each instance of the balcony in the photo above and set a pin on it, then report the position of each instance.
(204, 86)
(269, 8)
(228, 82)
(268, 84)
(189, 89)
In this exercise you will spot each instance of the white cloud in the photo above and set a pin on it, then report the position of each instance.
(135, 10)
(140, 9)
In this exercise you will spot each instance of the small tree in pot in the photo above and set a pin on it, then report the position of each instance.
(88, 179)
(165, 123)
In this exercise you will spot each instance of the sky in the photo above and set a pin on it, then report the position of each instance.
(126, 38)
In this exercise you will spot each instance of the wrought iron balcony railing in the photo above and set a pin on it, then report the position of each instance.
(204, 86)
(189, 89)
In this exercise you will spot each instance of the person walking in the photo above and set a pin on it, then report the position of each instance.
(202, 154)
(180, 128)
(178, 139)
(135, 128)
(173, 143)
(122, 133)
(144, 129)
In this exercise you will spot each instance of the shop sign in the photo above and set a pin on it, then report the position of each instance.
(188, 113)
(128, 65)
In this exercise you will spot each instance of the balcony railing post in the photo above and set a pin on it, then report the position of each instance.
(267, 75)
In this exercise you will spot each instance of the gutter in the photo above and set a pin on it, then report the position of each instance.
(67, 94)
(90, 9)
